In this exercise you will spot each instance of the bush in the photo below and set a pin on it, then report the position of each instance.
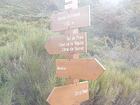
(28, 79)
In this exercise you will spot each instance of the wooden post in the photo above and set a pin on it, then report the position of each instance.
(72, 4)
(71, 44)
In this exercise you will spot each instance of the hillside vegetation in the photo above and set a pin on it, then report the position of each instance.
(27, 71)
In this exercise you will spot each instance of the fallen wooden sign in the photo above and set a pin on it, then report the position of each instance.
(66, 44)
(85, 69)
(70, 19)
(72, 94)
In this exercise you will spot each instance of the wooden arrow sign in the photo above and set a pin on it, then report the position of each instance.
(67, 44)
(86, 69)
(72, 94)
(70, 19)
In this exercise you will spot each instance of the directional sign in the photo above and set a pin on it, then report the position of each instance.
(72, 94)
(70, 19)
(61, 44)
(86, 69)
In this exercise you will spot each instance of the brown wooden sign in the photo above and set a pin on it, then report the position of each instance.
(72, 94)
(61, 44)
(86, 69)
(70, 19)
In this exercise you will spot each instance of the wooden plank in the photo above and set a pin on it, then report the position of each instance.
(70, 94)
(85, 69)
(67, 44)
(70, 19)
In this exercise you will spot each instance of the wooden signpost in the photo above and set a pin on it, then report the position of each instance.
(85, 69)
(70, 19)
(70, 94)
(72, 43)
(64, 44)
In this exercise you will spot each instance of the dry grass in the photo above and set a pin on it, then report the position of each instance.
(27, 71)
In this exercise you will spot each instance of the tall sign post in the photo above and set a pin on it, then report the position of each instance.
(71, 43)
